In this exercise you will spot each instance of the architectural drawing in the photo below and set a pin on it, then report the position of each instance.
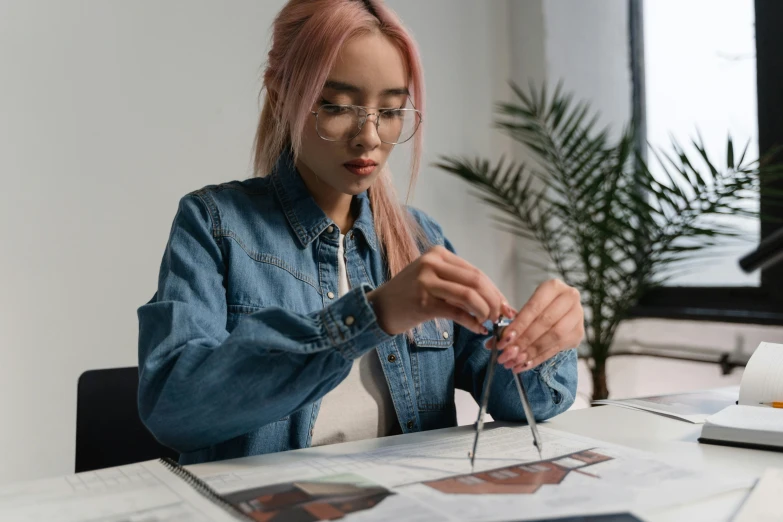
(522, 479)
(309, 501)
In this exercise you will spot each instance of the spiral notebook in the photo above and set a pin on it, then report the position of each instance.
(152, 491)
(205, 490)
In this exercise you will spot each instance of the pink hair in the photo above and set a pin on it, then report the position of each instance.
(307, 36)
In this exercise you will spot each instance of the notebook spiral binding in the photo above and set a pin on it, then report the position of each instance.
(204, 489)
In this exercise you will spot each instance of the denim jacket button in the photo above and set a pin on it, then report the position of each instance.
(330, 229)
(330, 295)
(445, 335)
(410, 424)
(392, 358)
(349, 320)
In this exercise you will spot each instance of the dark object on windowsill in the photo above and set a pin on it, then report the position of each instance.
(768, 253)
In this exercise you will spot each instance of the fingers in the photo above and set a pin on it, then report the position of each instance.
(459, 316)
(553, 342)
(508, 355)
(553, 320)
(454, 269)
(461, 296)
(548, 318)
(480, 284)
(487, 284)
(547, 346)
(544, 295)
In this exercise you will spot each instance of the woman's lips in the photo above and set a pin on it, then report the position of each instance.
(359, 170)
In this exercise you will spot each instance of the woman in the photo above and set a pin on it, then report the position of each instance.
(306, 306)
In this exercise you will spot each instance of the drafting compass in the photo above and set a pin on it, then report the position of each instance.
(497, 333)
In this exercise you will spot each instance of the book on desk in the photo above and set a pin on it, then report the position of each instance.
(752, 423)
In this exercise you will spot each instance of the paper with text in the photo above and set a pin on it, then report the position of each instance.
(147, 492)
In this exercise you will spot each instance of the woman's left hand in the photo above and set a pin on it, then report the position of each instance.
(550, 322)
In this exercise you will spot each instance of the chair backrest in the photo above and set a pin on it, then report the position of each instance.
(109, 431)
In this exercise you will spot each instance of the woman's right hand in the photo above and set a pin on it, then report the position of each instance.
(439, 284)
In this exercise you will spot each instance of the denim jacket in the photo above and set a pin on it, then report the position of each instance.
(245, 334)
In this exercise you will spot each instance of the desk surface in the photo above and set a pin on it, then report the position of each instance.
(670, 439)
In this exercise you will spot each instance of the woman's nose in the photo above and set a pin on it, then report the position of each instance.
(368, 134)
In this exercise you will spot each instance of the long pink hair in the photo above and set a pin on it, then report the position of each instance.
(307, 36)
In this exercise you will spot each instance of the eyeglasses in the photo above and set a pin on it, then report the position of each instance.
(345, 122)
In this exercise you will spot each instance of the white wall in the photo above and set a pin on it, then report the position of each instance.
(112, 110)
(587, 48)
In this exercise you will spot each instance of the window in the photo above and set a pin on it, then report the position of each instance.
(711, 65)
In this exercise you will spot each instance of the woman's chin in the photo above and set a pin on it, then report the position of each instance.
(357, 186)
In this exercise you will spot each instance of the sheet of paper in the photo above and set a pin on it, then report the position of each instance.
(690, 407)
(762, 380)
(147, 492)
(577, 476)
(749, 418)
(763, 504)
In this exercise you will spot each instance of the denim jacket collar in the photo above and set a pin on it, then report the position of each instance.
(364, 221)
(302, 212)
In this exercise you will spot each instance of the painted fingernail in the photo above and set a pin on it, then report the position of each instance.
(508, 354)
(509, 337)
(528, 363)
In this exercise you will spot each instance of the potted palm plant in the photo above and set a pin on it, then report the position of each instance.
(609, 225)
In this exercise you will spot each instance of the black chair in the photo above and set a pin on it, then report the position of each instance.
(109, 431)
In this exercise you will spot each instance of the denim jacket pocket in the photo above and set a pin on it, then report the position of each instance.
(432, 335)
(432, 365)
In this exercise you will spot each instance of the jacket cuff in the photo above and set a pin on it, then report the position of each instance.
(551, 366)
(352, 325)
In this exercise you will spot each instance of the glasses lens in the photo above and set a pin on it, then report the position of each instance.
(337, 122)
(398, 125)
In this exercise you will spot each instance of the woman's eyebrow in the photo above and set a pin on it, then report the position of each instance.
(347, 87)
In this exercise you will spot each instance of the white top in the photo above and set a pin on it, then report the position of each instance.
(360, 407)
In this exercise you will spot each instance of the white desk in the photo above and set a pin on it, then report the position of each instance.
(671, 439)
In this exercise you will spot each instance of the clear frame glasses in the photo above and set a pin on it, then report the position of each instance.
(345, 122)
